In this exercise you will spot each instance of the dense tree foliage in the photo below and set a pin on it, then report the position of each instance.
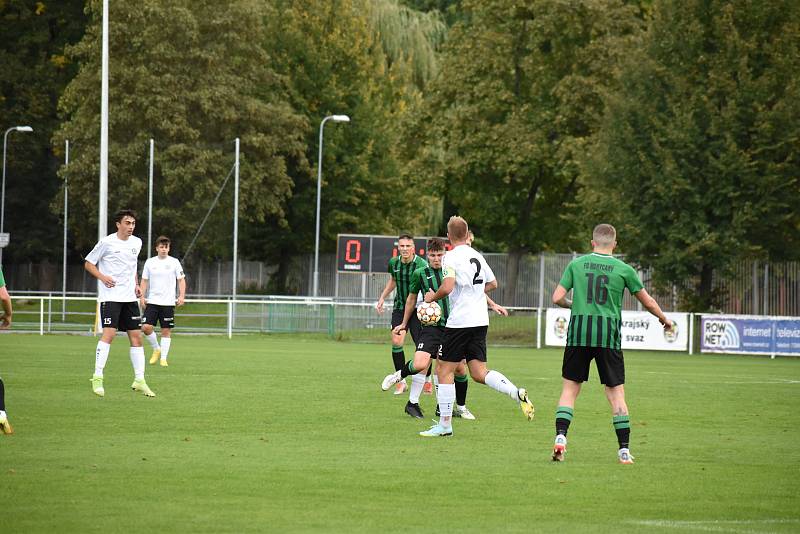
(698, 158)
(517, 98)
(33, 74)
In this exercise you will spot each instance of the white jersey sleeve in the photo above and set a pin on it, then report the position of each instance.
(97, 252)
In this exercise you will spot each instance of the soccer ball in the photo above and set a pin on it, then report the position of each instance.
(429, 313)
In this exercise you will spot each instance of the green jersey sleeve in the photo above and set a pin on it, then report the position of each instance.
(566, 279)
(415, 285)
(2, 280)
(632, 281)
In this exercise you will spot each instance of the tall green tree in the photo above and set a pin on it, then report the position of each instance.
(193, 77)
(698, 158)
(333, 55)
(517, 96)
(34, 72)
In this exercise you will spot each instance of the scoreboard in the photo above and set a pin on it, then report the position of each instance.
(371, 253)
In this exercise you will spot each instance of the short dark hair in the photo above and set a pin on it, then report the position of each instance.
(435, 244)
(406, 236)
(121, 214)
(162, 240)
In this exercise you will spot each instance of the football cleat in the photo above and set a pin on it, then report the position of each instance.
(163, 363)
(559, 448)
(436, 431)
(5, 426)
(525, 403)
(625, 456)
(414, 410)
(427, 389)
(154, 357)
(140, 385)
(401, 387)
(97, 385)
(390, 380)
(464, 413)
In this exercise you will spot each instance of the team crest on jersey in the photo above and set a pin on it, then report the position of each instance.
(560, 327)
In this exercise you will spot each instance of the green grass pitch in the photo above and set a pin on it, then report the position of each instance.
(292, 433)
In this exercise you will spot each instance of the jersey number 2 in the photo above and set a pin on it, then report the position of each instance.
(477, 278)
(596, 290)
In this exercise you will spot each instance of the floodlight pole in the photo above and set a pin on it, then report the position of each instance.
(66, 220)
(3, 194)
(235, 216)
(150, 203)
(102, 216)
(336, 118)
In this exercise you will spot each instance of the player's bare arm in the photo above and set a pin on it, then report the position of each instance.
(143, 289)
(390, 285)
(5, 320)
(181, 292)
(560, 297)
(411, 305)
(495, 307)
(448, 284)
(92, 269)
(652, 306)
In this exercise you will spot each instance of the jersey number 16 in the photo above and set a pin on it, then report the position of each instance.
(596, 290)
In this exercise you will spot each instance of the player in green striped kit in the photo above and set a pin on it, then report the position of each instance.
(598, 282)
(400, 269)
(430, 340)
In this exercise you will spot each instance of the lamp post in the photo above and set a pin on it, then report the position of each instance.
(335, 118)
(3, 200)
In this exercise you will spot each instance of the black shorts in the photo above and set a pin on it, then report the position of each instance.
(154, 313)
(122, 316)
(414, 326)
(610, 365)
(464, 344)
(430, 340)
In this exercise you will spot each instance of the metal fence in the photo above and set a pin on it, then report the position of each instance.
(751, 288)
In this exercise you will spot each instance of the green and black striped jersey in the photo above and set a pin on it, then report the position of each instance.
(429, 278)
(401, 272)
(598, 282)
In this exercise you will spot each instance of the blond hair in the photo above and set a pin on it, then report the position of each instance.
(457, 229)
(604, 235)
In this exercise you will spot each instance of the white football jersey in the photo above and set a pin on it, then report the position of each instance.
(161, 275)
(468, 300)
(119, 260)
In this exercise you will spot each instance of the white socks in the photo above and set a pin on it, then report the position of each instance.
(417, 383)
(137, 360)
(498, 382)
(446, 395)
(101, 357)
(165, 342)
(152, 339)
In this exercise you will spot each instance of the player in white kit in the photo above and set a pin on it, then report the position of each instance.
(159, 276)
(114, 262)
(467, 279)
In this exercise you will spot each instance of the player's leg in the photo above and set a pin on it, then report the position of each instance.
(422, 360)
(453, 349)
(461, 383)
(131, 323)
(611, 368)
(428, 388)
(476, 360)
(5, 426)
(109, 318)
(398, 355)
(148, 323)
(574, 371)
(564, 413)
(167, 320)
